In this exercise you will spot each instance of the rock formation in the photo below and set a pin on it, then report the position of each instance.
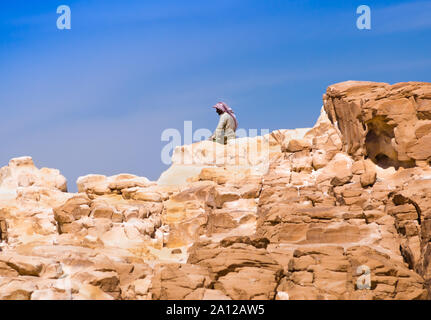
(295, 214)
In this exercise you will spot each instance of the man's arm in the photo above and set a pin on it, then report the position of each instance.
(218, 133)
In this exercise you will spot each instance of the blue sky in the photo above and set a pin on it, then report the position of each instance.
(96, 98)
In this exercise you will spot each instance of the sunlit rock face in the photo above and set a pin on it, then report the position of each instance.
(21, 172)
(391, 124)
(338, 211)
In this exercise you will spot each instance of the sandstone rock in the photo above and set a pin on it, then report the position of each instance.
(21, 172)
(338, 171)
(177, 281)
(237, 265)
(73, 209)
(105, 280)
(16, 290)
(90, 292)
(295, 145)
(25, 266)
(51, 294)
(3, 229)
(99, 184)
(387, 116)
(367, 171)
(294, 214)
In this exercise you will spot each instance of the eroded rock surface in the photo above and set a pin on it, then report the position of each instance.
(296, 214)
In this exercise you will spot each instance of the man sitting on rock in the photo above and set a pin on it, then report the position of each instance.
(227, 124)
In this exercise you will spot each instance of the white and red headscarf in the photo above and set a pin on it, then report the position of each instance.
(225, 108)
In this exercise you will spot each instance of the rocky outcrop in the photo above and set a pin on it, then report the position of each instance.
(21, 172)
(390, 124)
(338, 211)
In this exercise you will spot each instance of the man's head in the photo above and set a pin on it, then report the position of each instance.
(220, 108)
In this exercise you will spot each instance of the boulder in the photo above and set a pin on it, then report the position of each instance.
(21, 172)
